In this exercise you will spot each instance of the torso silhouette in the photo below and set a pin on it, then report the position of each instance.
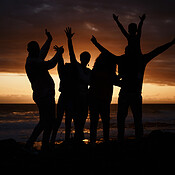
(83, 78)
(41, 81)
(131, 69)
(134, 44)
(68, 81)
(103, 73)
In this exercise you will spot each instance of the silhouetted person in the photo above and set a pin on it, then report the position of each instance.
(43, 88)
(131, 69)
(67, 98)
(83, 80)
(133, 35)
(101, 90)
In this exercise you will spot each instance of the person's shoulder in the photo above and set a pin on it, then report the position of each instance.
(34, 61)
(88, 69)
(144, 57)
(121, 58)
(78, 64)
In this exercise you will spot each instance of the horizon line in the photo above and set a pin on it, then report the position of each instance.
(111, 103)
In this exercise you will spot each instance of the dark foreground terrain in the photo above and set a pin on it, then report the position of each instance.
(155, 154)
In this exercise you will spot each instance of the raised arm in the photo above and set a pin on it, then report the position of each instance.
(158, 50)
(104, 50)
(139, 31)
(98, 45)
(45, 48)
(60, 66)
(69, 35)
(125, 33)
(52, 62)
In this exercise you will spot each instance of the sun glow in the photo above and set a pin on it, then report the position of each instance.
(16, 88)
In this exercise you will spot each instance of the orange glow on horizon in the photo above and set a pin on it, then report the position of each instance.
(16, 88)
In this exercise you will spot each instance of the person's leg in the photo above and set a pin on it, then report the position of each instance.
(78, 118)
(37, 130)
(60, 113)
(68, 121)
(70, 108)
(94, 117)
(82, 115)
(136, 107)
(105, 115)
(48, 118)
(122, 113)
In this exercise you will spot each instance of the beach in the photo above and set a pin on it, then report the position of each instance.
(18, 120)
(153, 155)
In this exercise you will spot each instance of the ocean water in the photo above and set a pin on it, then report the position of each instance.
(18, 120)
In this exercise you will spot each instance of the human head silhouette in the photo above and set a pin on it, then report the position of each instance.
(103, 64)
(33, 48)
(132, 28)
(85, 58)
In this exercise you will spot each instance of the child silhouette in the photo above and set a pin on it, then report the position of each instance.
(133, 35)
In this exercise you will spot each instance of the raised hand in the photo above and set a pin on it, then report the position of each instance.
(49, 36)
(142, 18)
(69, 33)
(59, 49)
(93, 39)
(115, 17)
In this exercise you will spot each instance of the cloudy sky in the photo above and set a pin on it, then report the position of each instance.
(22, 21)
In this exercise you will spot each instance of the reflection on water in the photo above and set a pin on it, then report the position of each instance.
(18, 121)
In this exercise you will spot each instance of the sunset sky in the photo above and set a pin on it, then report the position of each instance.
(25, 20)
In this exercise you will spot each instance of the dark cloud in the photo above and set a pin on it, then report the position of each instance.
(161, 70)
(22, 21)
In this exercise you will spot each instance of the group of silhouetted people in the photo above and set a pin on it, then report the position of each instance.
(82, 89)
